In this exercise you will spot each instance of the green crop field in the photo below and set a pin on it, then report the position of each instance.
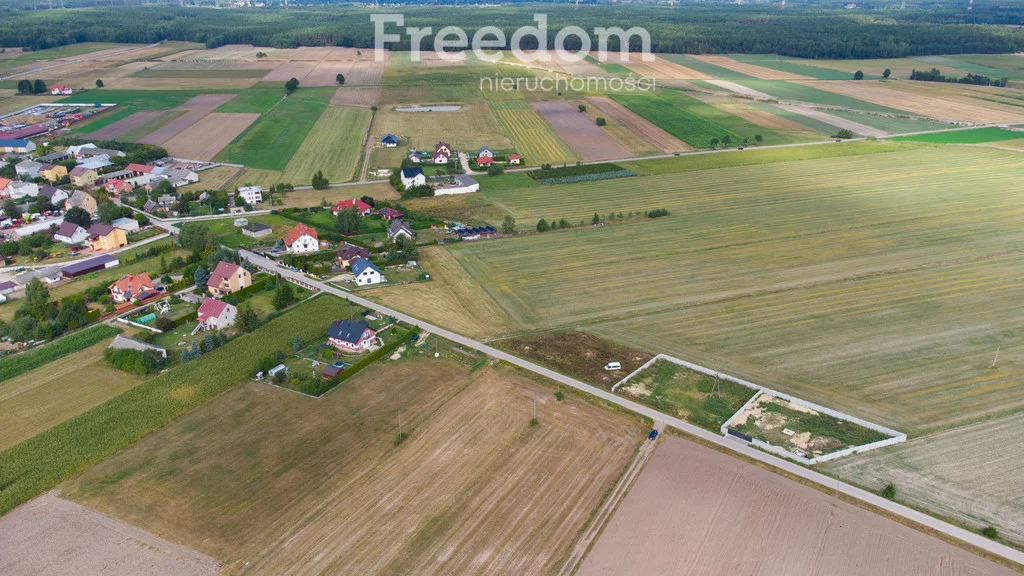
(272, 141)
(995, 66)
(257, 100)
(68, 51)
(891, 124)
(530, 134)
(792, 91)
(854, 281)
(784, 64)
(975, 136)
(334, 145)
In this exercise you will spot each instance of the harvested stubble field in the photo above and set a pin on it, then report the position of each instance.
(196, 109)
(54, 392)
(363, 96)
(366, 73)
(207, 137)
(585, 137)
(852, 282)
(856, 127)
(333, 145)
(971, 474)
(473, 123)
(270, 482)
(289, 70)
(450, 299)
(951, 106)
(662, 69)
(530, 134)
(126, 125)
(627, 137)
(694, 510)
(752, 70)
(211, 179)
(794, 66)
(326, 72)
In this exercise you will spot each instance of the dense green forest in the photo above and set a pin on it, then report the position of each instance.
(804, 30)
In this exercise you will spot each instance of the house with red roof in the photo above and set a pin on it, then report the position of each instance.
(514, 159)
(485, 160)
(130, 287)
(301, 239)
(216, 314)
(359, 205)
(139, 169)
(61, 90)
(227, 278)
(116, 186)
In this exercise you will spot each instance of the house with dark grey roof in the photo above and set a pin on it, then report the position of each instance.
(366, 273)
(256, 230)
(399, 228)
(349, 336)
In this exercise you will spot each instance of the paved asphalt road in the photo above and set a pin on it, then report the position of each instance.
(734, 445)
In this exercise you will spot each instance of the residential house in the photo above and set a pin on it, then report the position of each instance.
(216, 314)
(118, 187)
(53, 172)
(484, 152)
(514, 159)
(485, 161)
(256, 230)
(349, 253)
(439, 157)
(83, 200)
(399, 228)
(390, 213)
(463, 184)
(130, 286)
(70, 233)
(126, 343)
(82, 176)
(251, 194)
(47, 275)
(302, 239)
(414, 156)
(139, 169)
(413, 176)
(8, 287)
(55, 157)
(129, 225)
(349, 336)
(444, 148)
(149, 206)
(61, 90)
(27, 169)
(389, 141)
(16, 146)
(104, 237)
(18, 190)
(4, 183)
(366, 273)
(227, 278)
(55, 195)
(362, 207)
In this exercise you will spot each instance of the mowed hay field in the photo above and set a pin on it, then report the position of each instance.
(854, 282)
(333, 145)
(451, 299)
(695, 510)
(54, 392)
(971, 474)
(943, 106)
(530, 134)
(473, 124)
(271, 482)
(206, 138)
(585, 136)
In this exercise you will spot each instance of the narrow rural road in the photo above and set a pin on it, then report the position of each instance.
(732, 445)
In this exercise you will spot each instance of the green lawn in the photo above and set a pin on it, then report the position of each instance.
(272, 141)
(975, 136)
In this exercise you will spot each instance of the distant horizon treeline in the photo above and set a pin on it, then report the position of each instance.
(804, 31)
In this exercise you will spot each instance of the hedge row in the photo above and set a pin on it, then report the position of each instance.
(575, 170)
(41, 462)
(12, 366)
(587, 177)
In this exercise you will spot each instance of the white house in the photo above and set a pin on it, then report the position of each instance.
(17, 190)
(129, 225)
(413, 176)
(389, 141)
(216, 314)
(463, 185)
(70, 233)
(55, 195)
(439, 157)
(302, 239)
(350, 336)
(28, 169)
(251, 194)
(366, 273)
(399, 228)
(61, 90)
(16, 146)
(485, 152)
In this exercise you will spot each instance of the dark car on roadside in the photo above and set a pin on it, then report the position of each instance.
(653, 434)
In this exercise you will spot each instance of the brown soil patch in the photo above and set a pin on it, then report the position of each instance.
(581, 355)
(289, 70)
(366, 73)
(125, 125)
(663, 69)
(362, 96)
(326, 73)
(50, 536)
(750, 69)
(695, 510)
(585, 137)
(640, 125)
(206, 138)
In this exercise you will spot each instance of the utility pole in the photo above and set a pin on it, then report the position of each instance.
(534, 405)
(399, 424)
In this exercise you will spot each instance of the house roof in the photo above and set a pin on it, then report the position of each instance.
(122, 222)
(255, 227)
(47, 191)
(330, 371)
(397, 226)
(12, 143)
(25, 163)
(439, 154)
(116, 184)
(297, 232)
(211, 307)
(4, 182)
(140, 168)
(389, 138)
(514, 157)
(67, 229)
(465, 180)
(390, 213)
(347, 331)
(442, 143)
(346, 204)
(77, 198)
(362, 264)
(149, 205)
(484, 149)
(47, 167)
(78, 171)
(348, 252)
(221, 272)
(100, 229)
(133, 283)
(411, 172)
(88, 264)
(484, 160)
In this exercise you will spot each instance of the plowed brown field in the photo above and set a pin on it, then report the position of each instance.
(206, 138)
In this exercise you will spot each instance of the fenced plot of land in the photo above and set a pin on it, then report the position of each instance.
(126, 125)
(881, 297)
(698, 511)
(530, 134)
(272, 482)
(364, 96)
(585, 137)
(207, 137)
(54, 392)
(971, 474)
(54, 537)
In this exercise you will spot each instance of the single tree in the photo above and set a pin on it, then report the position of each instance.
(990, 532)
(283, 296)
(78, 216)
(495, 170)
(886, 73)
(858, 75)
(582, 108)
(11, 209)
(758, 138)
(24, 87)
(38, 86)
(714, 142)
(340, 79)
(291, 85)
(36, 303)
(296, 344)
(726, 140)
(200, 276)
(596, 219)
(601, 122)
(99, 83)
(320, 181)
(889, 491)
(844, 133)
(209, 343)
(248, 320)
(542, 225)
(348, 221)
(508, 226)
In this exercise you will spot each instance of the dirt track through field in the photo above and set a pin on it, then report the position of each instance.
(741, 89)
(125, 125)
(752, 70)
(206, 138)
(585, 137)
(857, 128)
(695, 510)
(197, 107)
(639, 125)
(50, 536)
